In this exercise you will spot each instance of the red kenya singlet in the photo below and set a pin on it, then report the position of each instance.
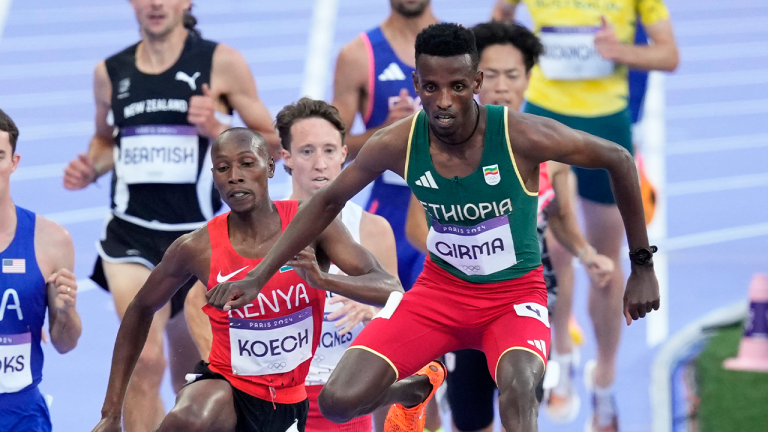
(264, 348)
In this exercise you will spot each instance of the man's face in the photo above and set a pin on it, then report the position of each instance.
(446, 86)
(409, 8)
(240, 171)
(316, 157)
(8, 163)
(157, 18)
(504, 76)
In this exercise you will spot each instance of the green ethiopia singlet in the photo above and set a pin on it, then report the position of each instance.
(482, 226)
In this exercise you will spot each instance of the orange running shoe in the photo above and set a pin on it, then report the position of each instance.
(402, 419)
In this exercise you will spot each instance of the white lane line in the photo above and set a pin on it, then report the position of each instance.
(77, 216)
(80, 97)
(5, 6)
(121, 11)
(36, 172)
(720, 26)
(255, 56)
(718, 109)
(718, 144)
(654, 143)
(118, 38)
(715, 236)
(85, 285)
(318, 62)
(717, 79)
(723, 51)
(716, 184)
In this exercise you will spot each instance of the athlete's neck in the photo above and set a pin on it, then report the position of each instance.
(256, 225)
(401, 30)
(7, 220)
(155, 55)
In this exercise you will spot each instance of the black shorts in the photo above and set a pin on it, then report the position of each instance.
(471, 390)
(125, 242)
(259, 415)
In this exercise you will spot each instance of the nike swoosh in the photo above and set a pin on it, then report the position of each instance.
(221, 278)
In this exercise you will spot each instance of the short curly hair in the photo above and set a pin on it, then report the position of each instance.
(499, 33)
(447, 40)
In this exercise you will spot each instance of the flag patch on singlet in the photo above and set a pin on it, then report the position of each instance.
(284, 269)
(491, 174)
(14, 265)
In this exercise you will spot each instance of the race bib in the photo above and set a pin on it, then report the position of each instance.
(482, 249)
(270, 346)
(331, 347)
(158, 154)
(570, 54)
(15, 370)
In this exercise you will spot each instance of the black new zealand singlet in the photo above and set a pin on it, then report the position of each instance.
(162, 177)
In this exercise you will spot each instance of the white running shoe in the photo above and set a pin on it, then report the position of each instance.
(563, 406)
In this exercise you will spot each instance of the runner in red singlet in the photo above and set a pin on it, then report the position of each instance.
(261, 352)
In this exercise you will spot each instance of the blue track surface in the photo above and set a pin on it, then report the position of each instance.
(717, 106)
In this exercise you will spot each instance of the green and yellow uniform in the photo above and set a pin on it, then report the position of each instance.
(482, 226)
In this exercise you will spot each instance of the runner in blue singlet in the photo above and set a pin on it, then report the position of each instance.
(37, 257)
(374, 78)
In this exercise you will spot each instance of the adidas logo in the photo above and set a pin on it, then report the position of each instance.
(540, 344)
(392, 73)
(427, 180)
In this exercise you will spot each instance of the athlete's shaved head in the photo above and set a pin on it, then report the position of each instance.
(241, 135)
(241, 168)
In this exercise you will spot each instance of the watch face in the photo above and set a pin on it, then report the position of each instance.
(643, 254)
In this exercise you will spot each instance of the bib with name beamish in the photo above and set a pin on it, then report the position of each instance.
(482, 226)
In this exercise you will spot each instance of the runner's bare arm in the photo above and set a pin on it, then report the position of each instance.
(537, 139)
(385, 150)
(57, 262)
(504, 10)
(561, 218)
(98, 160)
(231, 76)
(416, 229)
(377, 236)
(364, 281)
(661, 55)
(189, 255)
(350, 91)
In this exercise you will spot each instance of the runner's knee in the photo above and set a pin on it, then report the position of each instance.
(337, 404)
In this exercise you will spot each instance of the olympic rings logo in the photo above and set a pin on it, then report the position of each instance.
(276, 366)
(471, 269)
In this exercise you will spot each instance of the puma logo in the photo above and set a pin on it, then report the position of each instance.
(181, 76)
(221, 279)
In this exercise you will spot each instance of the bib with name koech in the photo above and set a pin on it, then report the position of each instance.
(482, 226)
(264, 348)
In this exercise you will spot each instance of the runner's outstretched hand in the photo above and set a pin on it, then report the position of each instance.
(642, 293)
(233, 295)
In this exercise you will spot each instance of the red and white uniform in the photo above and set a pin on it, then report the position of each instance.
(332, 347)
(264, 348)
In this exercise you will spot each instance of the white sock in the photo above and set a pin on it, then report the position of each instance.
(563, 387)
(604, 408)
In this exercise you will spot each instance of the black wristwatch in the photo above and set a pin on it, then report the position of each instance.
(643, 256)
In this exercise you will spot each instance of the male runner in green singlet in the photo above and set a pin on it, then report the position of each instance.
(476, 168)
